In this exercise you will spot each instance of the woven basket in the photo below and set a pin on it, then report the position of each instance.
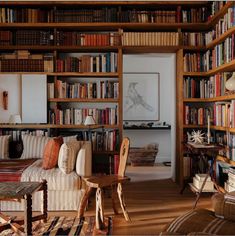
(142, 156)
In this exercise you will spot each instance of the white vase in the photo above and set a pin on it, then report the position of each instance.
(230, 83)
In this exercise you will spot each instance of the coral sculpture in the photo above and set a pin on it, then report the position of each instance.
(197, 137)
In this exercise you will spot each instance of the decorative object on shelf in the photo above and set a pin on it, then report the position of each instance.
(89, 121)
(141, 96)
(197, 137)
(230, 83)
(5, 100)
(15, 119)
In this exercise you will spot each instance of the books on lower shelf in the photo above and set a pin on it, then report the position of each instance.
(230, 183)
(198, 182)
(98, 89)
(76, 116)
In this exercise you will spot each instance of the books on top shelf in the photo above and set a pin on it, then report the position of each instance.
(150, 39)
(98, 89)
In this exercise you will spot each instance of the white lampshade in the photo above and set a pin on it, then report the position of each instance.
(89, 120)
(15, 119)
(230, 83)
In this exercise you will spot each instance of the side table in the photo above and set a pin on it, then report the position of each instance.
(22, 191)
(203, 151)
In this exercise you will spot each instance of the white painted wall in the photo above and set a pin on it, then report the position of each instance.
(12, 84)
(165, 65)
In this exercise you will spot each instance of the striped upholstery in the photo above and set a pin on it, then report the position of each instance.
(200, 220)
(68, 200)
(67, 156)
(33, 146)
(4, 146)
(56, 179)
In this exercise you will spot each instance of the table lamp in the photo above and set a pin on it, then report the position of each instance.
(15, 119)
(89, 121)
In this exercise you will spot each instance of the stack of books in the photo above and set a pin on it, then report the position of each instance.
(230, 184)
(198, 182)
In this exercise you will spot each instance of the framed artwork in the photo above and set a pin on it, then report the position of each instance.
(141, 96)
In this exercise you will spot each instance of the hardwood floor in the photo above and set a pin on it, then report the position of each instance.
(151, 205)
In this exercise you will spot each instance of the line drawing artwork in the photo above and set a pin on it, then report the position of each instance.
(141, 96)
(134, 97)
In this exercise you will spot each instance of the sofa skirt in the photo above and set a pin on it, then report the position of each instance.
(57, 201)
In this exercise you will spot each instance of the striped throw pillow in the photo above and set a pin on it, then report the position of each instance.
(4, 146)
(68, 155)
(33, 146)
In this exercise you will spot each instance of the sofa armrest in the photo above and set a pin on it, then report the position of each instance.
(84, 160)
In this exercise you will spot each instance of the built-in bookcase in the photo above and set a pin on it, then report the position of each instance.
(80, 47)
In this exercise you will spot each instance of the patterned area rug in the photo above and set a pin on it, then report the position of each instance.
(66, 226)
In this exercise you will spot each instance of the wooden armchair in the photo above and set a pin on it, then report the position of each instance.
(100, 182)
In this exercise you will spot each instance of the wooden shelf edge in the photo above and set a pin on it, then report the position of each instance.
(215, 99)
(51, 126)
(95, 100)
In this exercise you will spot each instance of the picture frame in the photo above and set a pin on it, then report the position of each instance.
(141, 96)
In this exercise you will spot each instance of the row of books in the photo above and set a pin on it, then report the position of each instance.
(26, 37)
(16, 134)
(88, 63)
(26, 65)
(224, 114)
(197, 62)
(223, 52)
(197, 115)
(87, 39)
(107, 14)
(194, 39)
(205, 87)
(25, 15)
(76, 116)
(150, 39)
(224, 24)
(98, 89)
(229, 185)
(104, 14)
(107, 140)
(195, 15)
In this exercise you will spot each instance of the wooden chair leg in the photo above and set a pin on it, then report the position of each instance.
(114, 193)
(122, 203)
(99, 209)
(83, 202)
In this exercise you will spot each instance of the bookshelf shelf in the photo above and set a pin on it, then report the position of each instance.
(52, 126)
(92, 100)
(215, 99)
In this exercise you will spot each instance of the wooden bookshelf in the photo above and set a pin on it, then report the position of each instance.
(120, 50)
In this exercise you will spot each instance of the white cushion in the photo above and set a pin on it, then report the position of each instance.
(84, 160)
(70, 138)
(4, 146)
(33, 146)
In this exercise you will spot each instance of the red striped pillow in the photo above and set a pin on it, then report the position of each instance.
(51, 153)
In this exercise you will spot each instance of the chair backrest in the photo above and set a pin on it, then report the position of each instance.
(124, 151)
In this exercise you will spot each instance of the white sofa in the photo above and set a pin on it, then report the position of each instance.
(64, 190)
